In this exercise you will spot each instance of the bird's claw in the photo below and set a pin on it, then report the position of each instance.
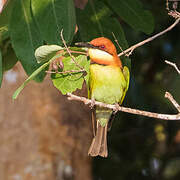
(116, 108)
(92, 104)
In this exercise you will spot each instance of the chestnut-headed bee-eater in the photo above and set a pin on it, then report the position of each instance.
(108, 83)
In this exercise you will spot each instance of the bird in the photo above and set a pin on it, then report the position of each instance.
(108, 83)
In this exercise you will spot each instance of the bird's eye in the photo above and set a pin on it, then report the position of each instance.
(102, 47)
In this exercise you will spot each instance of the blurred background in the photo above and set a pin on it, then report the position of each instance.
(44, 136)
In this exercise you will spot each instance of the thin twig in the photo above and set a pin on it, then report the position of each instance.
(173, 101)
(64, 42)
(130, 110)
(78, 52)
(115, 39)
(173, 65)
(131, 49)
(65, 72)
(174, 14)
(167, 5)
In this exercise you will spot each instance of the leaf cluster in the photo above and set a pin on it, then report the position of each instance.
(29, 24)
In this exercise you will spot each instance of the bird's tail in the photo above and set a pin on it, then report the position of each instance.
(99, 142)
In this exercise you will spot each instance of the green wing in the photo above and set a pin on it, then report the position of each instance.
(127, 77)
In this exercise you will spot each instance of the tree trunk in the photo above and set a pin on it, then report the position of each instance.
(42, 135)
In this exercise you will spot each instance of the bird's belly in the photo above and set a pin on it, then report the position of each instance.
(106, 83)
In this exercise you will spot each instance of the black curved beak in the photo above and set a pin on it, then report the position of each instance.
(85, 44)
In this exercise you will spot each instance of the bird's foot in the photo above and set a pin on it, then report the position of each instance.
(116, 108)
(92, 103)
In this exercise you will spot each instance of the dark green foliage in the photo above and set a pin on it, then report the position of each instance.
(25, 36)
(29, 24)
(132, 12)
(9, 58)
(53, 16)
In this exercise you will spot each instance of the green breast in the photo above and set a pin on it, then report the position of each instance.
(107, 83)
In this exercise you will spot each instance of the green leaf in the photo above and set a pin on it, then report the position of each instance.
(33, 75)
(9, 58)
(71, 81)
(25, 36)
(46, 52)
(132, 12)
(1, 73)
(52, 16)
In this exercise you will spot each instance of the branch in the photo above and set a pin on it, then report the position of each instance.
(174, 14)
(131, 49)
(78, 52)
(130, 110)
(173, 65)
(115, 39)
(170, 97)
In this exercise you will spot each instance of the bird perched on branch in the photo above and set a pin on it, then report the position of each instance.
(108, 83)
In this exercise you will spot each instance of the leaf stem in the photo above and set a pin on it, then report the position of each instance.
(33, 75)
(65, 72)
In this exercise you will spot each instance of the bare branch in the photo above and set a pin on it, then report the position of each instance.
(173, 65)
(78, 52)
(64, 42)
(173, 101)
(131, 49)
(130, 110)
(115, 39)
(174, 14)
(167, 5)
